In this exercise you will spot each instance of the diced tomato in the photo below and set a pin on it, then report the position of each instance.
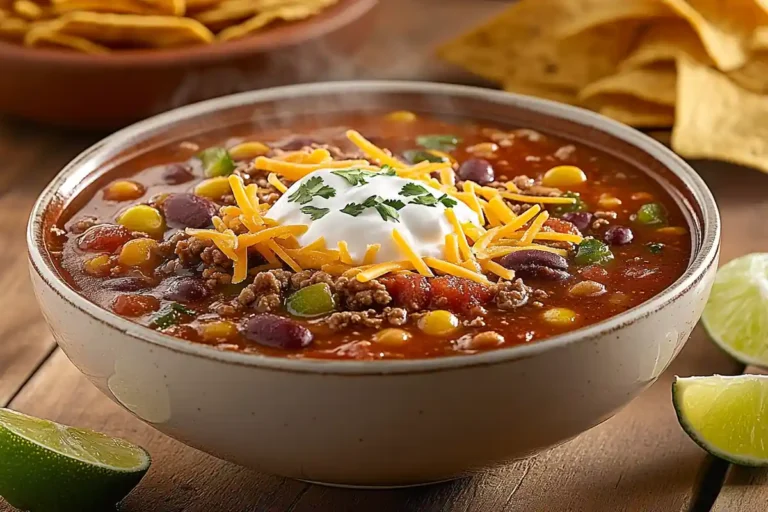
(458, 294)
(135, 305)
(104, 238)
(562, 226)
(409, 290)
(594, 273)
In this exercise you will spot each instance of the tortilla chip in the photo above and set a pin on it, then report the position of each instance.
(172, 7)
(233, 11)
(199, 5)
(724, 26)
(754, 74)
(522, 46)
(103, 6)
(600, 12)
(654, 84)
(13, 29)
(28, 10)
(568, 96)
(663, 42)
(287, 13)
(43, 37)
(134, 30)
(719, 120)
(636, 112)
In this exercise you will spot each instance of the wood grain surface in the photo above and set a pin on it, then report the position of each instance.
(640, 460)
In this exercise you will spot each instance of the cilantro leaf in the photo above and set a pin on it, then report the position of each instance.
(314, 186)
(353, 209)
(415, 156)
(387, 212)
(170, 315)
(386, 170)
(440, 142)
(354, 177)
(395, 203)
(412, 189)
(425, 200)
(315, 213)
(447, 201)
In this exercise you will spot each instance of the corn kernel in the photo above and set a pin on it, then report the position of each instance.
(608, 202)
(402, 116)
(392, 337)
(220, 330)
(123, 190)
(143, 218)
(98, 266)
(563, 176)
(439, 323)
(560, 317)
(248, 150)
(484, 149)
(485, 339)
(672, 230)
(213, 188)
(587, 289)
(138, 252)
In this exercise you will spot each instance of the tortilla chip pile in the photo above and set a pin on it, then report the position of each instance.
(100, 26)
(700, 66)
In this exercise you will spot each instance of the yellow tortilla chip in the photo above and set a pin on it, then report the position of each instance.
(753, 75)
(28, 10)
(231, 11)
(288, 13)
(103, 6)
(636, 112)
(599, 12)
(719, 120)
(134, 30)
(548, 93)
(173, 7)
(724, 26)
(654, 84)
(44, 37)
(13, 29)
(665, 41)
(199, 5)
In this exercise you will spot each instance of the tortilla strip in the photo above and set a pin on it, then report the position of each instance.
(636, 112)
(600, 12)
(655, 84)
(665, 42)
(289, 13)
(42, 37)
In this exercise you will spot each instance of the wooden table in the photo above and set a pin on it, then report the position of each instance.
(640, 460)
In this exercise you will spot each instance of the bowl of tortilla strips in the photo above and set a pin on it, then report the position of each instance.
(106, 63)
(699, 67)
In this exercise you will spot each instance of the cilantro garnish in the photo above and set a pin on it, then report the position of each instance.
(447, 201)
(412, 189)
(312, 187)
(354, 177)
(315, 213)
(386, 170)
(655, 247)
(387, 209)
(439, 142)
(425, 200)
(170, 315)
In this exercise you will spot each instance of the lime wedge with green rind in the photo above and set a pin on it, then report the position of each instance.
(48, 467)
(736, 315)
(725, 415)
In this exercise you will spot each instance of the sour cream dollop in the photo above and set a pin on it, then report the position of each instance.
(423, 227)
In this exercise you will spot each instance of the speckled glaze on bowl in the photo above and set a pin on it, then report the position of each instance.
(110, 91)
(379, 423)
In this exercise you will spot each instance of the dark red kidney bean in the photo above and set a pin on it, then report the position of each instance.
(618, 235)
(186, 289)
(275, 331)
(478, 170)
(581, 220)
(536, 265)
(127, 284)
(294, 142)
(103, 238)
(188, 211)
(175, 174)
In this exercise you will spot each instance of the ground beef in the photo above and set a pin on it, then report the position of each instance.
(539, 190)
(395, 316)
(477, 321)
(512, 294)
(599, 223)
(167, 249)
(189, 250)
(357, 296)
(216, 276)
(213, 256)
(169, 268)
(306, 278)
(83, 225)
(523, 182)
(266, 292)
(565, 152)
(225, 309)
(344, 319)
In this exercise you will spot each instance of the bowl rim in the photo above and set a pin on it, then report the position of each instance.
(702, 260)
(333, 18)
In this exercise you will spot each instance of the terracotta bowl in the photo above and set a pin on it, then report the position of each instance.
(378, 423)
(109, 91)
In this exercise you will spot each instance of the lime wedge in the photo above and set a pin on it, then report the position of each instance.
(725, 415)
(49, 467)
(736, 315)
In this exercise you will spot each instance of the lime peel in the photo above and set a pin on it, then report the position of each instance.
(725, 415)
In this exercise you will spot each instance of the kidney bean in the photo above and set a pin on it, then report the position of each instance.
(478, 170)
(127, 284)
(186, 289)
(536, 264)
(618, 235)
(103, 238)
(581, 220)
(188, 211)
(275, 331)
(175, 174)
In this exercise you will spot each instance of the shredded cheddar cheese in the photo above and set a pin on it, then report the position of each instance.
(370, 254)
(295, 172)
(372, 151)
(382, 268)
(410, 254)
(456, 270)
(534, 229)
(275, 182)
(538, 199)
(344, 255)
(452, 248)
(495, 268)
(284, 256)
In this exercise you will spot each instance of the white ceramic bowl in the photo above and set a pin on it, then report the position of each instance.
(379, 423)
